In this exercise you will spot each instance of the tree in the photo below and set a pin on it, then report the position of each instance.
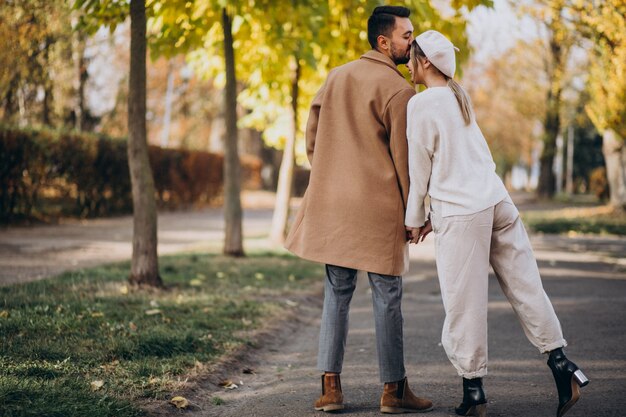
(36, 36)
(188, 26)
(605, 25)
(233, 242)
(559, 41)
(144, 264)
(507, 114)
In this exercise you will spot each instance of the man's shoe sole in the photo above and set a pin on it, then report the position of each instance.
(398, 410)
(330, 407)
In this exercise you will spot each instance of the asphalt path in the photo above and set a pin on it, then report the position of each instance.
(585, 277)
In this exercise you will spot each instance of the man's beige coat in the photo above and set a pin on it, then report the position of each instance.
(352, 214)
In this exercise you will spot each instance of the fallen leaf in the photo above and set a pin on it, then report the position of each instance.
(291, 303)
(4, 314)
(124, 289)
(195, 283)
(179, 402)
(154, 303)
(97, 314)
(292, 278)
(220, 274)
(132, 326)
(246, 322)
(259, 276)
(96, 385)
(153, 312)
(228, 384)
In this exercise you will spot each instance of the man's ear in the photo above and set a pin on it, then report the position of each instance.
(382, 42)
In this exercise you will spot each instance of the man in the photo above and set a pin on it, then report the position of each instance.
(352, 215)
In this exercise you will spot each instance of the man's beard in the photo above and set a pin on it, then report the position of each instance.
(399, 58)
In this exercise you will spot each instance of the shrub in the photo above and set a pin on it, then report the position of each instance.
(46, 174)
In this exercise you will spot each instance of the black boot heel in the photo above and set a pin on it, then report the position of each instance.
(568, 380)
(581, 379)
(474, 401)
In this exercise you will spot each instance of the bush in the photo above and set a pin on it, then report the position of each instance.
(46, 174)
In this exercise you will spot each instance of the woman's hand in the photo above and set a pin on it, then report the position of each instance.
(424, 231)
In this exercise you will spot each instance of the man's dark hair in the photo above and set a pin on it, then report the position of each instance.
(382, 21)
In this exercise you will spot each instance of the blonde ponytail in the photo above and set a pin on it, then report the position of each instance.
(464, 101)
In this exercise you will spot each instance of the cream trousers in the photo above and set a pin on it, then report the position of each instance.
(465, 246)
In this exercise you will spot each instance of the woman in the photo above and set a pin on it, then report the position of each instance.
(475, 224)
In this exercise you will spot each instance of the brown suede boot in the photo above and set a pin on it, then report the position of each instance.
(332, 397)
(397, 399)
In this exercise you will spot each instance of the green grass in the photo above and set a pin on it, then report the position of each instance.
(599, 220)
(60, 335)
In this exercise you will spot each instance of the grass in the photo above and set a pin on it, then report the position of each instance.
(85, 344)
(600, 220)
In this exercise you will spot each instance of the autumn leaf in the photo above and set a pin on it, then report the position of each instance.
(96, 385)
(180, 402)
(228, 384)
(153, 311)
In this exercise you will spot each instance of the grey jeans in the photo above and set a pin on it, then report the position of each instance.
(386, 298)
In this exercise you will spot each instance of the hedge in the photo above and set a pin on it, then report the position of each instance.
(46, 174)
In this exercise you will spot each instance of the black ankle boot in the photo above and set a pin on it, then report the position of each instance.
(568, 379)
(474, 401)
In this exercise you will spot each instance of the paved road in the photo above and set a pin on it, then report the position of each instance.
(584, 276)
(588, 289)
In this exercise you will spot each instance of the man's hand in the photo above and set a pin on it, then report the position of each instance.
(411, 233)
(418, 234)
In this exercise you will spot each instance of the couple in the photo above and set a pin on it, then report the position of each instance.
(376, 149)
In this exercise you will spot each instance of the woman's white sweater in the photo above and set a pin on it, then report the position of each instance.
(448, 159)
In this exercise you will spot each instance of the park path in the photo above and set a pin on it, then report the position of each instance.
(585, 279)
(32, 253)
(584, 276)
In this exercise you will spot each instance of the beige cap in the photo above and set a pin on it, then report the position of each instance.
(439, 50)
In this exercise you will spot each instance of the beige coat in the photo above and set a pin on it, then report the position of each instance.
(352, 214)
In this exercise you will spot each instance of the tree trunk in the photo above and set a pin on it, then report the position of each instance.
(169, 98)
(552, 122)
(233, 239)
(614, 152)
(144, 266)
(47, 85)
(80, 78)
(285, 176)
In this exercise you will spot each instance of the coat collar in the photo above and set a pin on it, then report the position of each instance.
(374, 55)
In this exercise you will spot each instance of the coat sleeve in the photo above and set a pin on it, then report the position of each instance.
(311, 125)
(422, 137)
(394, 119)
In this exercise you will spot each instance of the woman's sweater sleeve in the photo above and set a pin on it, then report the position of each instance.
(422, 137)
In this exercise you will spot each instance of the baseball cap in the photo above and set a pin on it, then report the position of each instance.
(439, 50)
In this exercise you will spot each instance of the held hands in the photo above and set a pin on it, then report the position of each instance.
(418, 234)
